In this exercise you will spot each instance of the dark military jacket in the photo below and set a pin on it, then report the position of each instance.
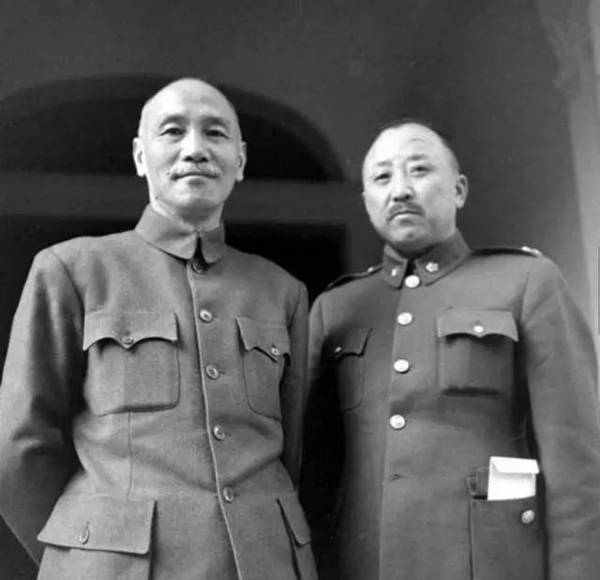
(151, 410)
(427, 374)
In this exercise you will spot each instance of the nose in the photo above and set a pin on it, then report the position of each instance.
(193, 147)
(401, 188)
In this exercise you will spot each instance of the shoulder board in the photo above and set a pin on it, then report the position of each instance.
(349, 277)
(523, 250)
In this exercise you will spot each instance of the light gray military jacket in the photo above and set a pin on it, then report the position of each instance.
(151, 410)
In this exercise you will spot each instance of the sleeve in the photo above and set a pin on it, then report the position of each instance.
(561, 373)
(323, 448)
(293, 389)
(40, 385)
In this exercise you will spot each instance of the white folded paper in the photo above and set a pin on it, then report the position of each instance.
(511, 478)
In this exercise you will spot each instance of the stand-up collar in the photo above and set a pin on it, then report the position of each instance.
(427, 268)
(180, 240)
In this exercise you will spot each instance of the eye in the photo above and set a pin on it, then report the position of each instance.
(419, 169)
(217, 133)
(382, 178)
(172, 131)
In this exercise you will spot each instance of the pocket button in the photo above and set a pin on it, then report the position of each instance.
(527, 517)
(84, 535)
(128, 339)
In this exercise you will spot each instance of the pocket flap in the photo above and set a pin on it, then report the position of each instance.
(272, 338)
(351, 341)
(128, 328)
(294, 518)
(477, 323)
(100, 522)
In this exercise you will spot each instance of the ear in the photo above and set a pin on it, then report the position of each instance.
(461, 190)
(138, 157)
(241, 161)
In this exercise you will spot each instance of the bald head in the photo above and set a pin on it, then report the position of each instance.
(182, 87)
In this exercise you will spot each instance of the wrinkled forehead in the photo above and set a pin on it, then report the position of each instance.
(188, 102)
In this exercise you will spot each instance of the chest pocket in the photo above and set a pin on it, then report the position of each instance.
(265, 351)
(132, 361)
(476, 350)
(346, 350)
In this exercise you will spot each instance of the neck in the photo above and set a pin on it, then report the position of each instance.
(199, 224)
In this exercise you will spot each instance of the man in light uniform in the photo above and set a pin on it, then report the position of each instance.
(153, 391)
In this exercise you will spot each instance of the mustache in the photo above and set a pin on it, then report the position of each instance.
(403, 208)
(191, 170)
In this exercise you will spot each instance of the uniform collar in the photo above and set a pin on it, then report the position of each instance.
(429, 267)
(180, 240)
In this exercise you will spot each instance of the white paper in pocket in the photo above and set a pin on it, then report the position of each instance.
(511, 478)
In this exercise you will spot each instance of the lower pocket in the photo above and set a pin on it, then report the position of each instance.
(97, 536)
(299, 533)
(507, 539)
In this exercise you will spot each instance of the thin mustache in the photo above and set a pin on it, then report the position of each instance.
(203, 171)
(403, 208)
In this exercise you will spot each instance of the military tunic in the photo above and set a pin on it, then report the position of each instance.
(151, 410)
(432, 371)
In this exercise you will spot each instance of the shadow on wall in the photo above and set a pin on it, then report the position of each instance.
(86, 126)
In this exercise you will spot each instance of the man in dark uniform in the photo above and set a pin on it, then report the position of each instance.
(434, 362)
(153, 393)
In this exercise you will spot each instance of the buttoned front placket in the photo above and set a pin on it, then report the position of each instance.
(413, 372)
(216, 377)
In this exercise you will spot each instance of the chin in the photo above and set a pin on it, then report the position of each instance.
(408, 244)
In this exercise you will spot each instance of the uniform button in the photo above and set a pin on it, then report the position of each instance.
(197, 266)
(478, 328)
(212, 372)
(337, 349)
(397, 422)
(206, 315)
(84, 535)
(412, 281)
(395, 271)
(401, 365)
(219, 432)
(527, 517)
(432, 267)
(405, 318)
(228, 494)
(128, 339)
(274, 351)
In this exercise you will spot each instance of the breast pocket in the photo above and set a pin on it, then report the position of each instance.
(132, 361)
(476, 350)
(346, 350)
(265, 353)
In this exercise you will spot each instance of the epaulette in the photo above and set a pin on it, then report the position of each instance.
(523, 250)
(349, 277)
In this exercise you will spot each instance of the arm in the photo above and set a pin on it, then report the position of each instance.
(323, 449)
(293, 387)
(561, 373)
(42, 372)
